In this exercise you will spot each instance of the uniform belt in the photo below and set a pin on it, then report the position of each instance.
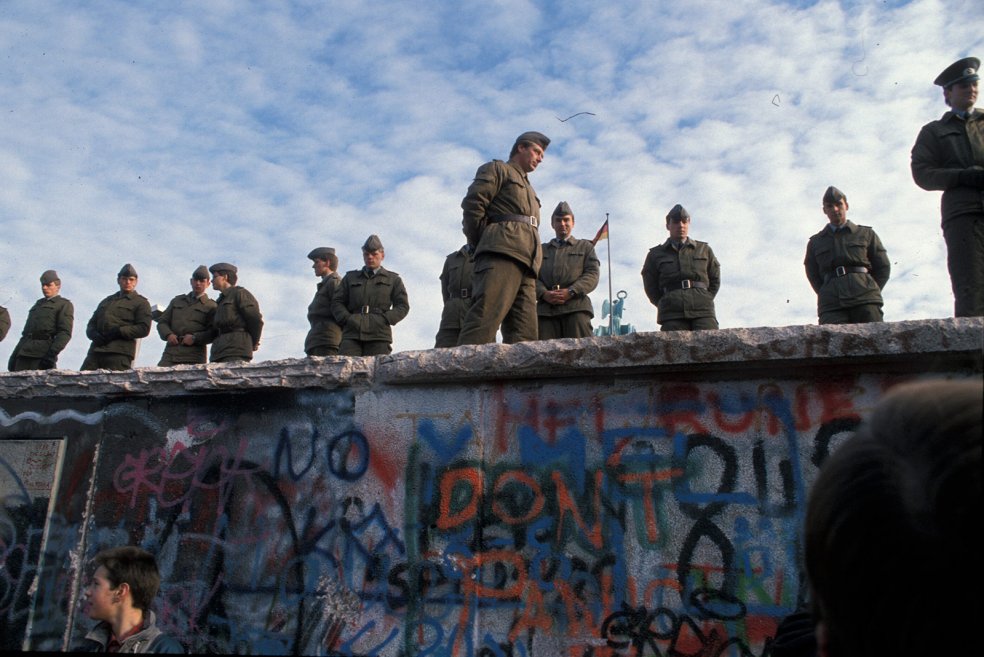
(844, 271)
(521, 218)
(369, 310)
(232, 330)
(685, 284)
(463, 293)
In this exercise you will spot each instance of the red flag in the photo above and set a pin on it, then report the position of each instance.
(602, 233)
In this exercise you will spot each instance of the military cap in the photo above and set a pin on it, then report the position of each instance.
(372, 244)
(562, 209)
(49, 277)
(200, 273)
(223, 268)
(535, 137)
(834, 195)
(127, 271)
(959, 71)
(321, 253)
(678, 212)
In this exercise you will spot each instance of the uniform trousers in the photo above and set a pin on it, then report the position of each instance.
(99, 361)
(350, 347)
(697, 324)
(569, 325)
(868, 312)
(503, 294)
(964, 236)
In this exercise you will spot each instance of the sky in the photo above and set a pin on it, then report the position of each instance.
(173, 134)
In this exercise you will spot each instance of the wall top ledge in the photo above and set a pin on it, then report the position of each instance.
(918, 344)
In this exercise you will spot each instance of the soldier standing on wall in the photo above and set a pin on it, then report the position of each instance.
(119, 321)
(47, 330)
(456, 290)
(325, 333)
(568, 274)
(186, 323)
(238, 323)
(681, 277)
(368, 303)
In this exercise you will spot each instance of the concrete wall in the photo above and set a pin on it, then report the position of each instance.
(636, 495)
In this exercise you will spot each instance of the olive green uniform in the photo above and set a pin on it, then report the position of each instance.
(4, 322)
(119, 321)
(237, 326)
(46, 333)
(367, 305)
(682, 284)
(456, 288)
(571, 264)
(186, 314)
(501, 217)
(325, 333)
(847, 269)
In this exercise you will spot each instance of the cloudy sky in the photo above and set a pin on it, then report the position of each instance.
(172, 134)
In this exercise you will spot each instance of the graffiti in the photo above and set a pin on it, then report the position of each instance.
(642, 519)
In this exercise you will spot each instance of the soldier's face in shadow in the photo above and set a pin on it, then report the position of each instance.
(373, 259)
(127, 283)
(678, 228)
(199, 285)
(836, 212)
(50, 289)
(962, 95)
(563, 225)
(528, 156)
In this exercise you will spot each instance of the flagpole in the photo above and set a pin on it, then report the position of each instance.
(611, 302)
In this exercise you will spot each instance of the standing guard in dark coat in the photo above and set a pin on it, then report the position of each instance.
(47, 330)
(847, 266)
(569, 272)
(368, 303)
(456, 287)
(119, 321)
(186, 323)
(681, 277)
(949, 156)
(325, 334)
(238, 323)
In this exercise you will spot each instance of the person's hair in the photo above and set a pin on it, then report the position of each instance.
(233, 278)
(515, 148)
(332, 261)
(892, 530)
(134, 566)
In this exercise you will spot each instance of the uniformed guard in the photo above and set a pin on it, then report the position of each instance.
(238, 322)
(368, 303)
(4, 323)
(681, 277)
(119, 321)
(186, 323)
(501, 218)
(949, 155)
(456, 288)
(47, 330)
(569, 272)
(847, 266)
(325, 334)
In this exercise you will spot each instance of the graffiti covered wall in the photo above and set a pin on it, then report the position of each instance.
(652, 511)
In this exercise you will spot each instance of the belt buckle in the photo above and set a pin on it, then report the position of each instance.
(534, 221)
(840, 271)
(465, 293)
(686, 284)
(365, 310)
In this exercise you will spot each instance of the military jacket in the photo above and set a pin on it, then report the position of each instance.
(4, 322)
(568, 264)
(48, 328)
(127, 312)
(368, 307)
(325, 331)
(501, 188)
(187, 314)
(666, 269)
(851, 246)
(942, 150)
(237, 325)
(456, 288)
